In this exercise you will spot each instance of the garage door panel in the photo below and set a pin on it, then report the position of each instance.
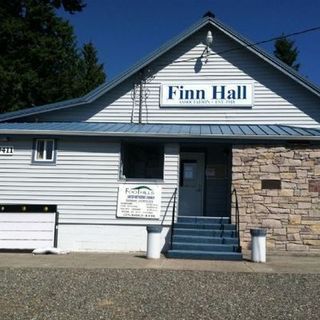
(26, 230)
(21, 226)
(25, 235)
(26, 217)
(25, 244)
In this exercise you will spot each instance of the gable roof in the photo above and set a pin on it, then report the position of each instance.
(205, 21)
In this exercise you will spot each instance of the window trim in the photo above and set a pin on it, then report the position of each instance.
(44, 161)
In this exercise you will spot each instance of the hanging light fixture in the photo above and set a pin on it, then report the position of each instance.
(209, 39)
(206, 51)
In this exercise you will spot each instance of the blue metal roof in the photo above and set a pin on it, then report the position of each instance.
(232, 131)
(104, 88)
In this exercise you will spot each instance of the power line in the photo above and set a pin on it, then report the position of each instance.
(289, 35)
(251, 44)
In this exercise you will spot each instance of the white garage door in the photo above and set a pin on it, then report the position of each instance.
(27, 230)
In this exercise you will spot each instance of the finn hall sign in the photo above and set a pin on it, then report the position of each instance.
(207, 94)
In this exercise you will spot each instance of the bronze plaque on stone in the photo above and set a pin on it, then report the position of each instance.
(314, 186)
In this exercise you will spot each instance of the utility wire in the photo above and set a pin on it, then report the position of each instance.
(251, 44)
(287, 35)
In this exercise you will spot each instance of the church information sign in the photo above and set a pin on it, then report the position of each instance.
(207, 94)
(139, 201)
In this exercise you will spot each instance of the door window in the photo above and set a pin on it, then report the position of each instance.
(189, 173)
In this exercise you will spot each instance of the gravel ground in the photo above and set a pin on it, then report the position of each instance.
(40, 294)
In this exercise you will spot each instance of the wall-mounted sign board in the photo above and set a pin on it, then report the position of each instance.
(207, 94)
(6, 150)
(139, 201)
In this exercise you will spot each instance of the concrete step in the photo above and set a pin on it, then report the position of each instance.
(204, 232)
(204, 239)
(210, 226)
(207, 238)
(204, 247)
(202, 219)
(204, 255)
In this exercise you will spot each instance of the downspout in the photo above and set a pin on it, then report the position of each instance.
(140, 101)
(133, 102)
(140, 96)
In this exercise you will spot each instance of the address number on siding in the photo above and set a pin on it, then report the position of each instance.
(6, 151)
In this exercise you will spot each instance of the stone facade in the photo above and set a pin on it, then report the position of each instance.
(290, 214)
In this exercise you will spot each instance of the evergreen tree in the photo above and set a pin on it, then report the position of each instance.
(286, 51)
(71, 6)
(39, 60)
(90, 70)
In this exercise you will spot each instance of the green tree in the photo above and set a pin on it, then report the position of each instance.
(286, 51)
(39, 59)
(71, 6)
(90, 70)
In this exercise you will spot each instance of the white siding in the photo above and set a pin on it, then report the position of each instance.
(278, 99)
(171, 180)
(111, 238)
(83, 183)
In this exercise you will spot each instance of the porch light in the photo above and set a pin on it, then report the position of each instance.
(209, 38)
(206, 52)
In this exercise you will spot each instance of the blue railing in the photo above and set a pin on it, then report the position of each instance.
(173, 215)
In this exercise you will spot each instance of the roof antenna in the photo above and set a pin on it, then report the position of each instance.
(209, 14)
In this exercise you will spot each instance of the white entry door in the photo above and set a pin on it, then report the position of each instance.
(191, 184)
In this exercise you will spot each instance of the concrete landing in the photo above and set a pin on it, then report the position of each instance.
(275, 264)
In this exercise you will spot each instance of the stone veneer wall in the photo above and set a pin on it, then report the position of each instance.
(291, 215)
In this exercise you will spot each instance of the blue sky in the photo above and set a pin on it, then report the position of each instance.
(125, 31)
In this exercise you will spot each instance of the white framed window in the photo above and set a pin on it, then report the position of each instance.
(44, 151)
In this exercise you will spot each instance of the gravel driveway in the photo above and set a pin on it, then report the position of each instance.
(155, 294)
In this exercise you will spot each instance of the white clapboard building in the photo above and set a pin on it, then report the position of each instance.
(209, 132)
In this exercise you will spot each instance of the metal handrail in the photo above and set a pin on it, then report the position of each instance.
(56, 223)
(234, 191)
(173, 215)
